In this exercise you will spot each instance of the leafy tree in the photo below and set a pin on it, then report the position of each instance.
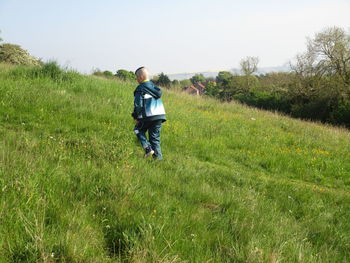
(212, 89)
(108, 74)
(175, 82)
(276, 81)
(185, 83)
(14, 54)
(163, 80)
(126, 75)
(330, 53)
(198, 78)
(231, 87)
(224, 77)
(322, 78)
(324, 69)
(327, 55)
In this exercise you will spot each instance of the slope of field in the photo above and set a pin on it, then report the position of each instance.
(236, 184)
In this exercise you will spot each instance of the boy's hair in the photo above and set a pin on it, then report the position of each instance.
(142, 71)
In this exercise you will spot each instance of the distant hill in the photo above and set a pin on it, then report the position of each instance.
(188, 75)
(285, 68)
(207, 74)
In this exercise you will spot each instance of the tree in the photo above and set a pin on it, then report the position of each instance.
(108, 74)
(224, 77)
(324, 69)
(249, 65)
(276, 81)
(185, 83)
(175, 82)
(211, 89)
(224, 87)
(304, 65)
(163, 80)
(322, 77)
(198, 78)
(125, 75)
(330, 53)
(14, 54)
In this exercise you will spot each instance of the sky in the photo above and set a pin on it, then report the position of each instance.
(167, 36)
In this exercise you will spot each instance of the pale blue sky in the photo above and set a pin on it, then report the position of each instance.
(167, 36)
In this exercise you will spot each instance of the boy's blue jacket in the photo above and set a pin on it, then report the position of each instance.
(148, 105)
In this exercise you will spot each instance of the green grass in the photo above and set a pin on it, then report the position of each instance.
(236, 184)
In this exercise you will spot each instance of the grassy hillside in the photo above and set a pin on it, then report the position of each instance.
(236, 184)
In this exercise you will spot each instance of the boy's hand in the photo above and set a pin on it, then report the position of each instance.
(136, 121)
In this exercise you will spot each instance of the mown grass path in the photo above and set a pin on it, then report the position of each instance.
(237, 184)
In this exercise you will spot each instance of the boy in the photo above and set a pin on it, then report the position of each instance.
(149, 114)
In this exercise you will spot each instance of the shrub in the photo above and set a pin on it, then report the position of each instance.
(14, 54)
(125, 75)
(265, 100)
(108, 74)
(341, 114)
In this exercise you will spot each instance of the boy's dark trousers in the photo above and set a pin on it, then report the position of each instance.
(153, 128)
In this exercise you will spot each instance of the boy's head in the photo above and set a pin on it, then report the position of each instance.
(142, 74)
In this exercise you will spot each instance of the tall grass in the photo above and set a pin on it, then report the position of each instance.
(236, 185)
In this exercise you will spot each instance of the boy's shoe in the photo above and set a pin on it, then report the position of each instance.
(156, 157)
(148, 152)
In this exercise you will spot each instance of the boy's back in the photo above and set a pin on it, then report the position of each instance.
(148, 105)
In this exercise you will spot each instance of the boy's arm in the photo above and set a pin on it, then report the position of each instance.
(138, 104)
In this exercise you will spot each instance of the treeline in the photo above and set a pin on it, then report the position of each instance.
(317, 88)
(125, 75)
